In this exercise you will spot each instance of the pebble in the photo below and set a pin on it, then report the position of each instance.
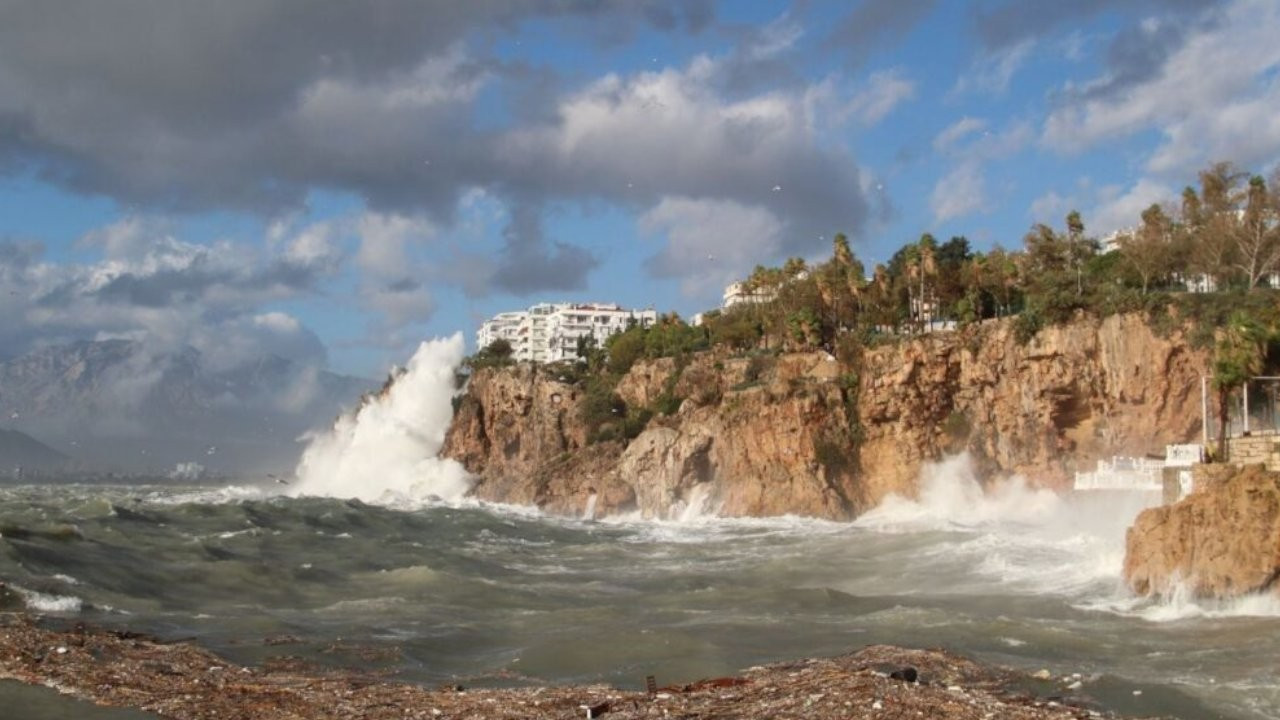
(877, 705)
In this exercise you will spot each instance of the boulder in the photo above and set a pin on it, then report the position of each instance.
(1221, 541)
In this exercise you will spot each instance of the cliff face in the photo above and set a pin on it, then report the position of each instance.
(1221, 541)
(1043, 409)
(799, 433)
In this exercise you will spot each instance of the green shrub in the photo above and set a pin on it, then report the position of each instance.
(956, 426)
(667, 403)
(833, 455)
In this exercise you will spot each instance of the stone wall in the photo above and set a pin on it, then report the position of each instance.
(1254, 450)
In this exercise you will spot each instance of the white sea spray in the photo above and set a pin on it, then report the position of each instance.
(387, 450)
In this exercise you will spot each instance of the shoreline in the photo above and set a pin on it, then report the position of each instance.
(183, 681)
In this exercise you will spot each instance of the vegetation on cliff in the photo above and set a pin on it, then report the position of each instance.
(1207, 265)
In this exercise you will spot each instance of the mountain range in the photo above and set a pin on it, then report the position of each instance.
(120, 405)
(20, 450)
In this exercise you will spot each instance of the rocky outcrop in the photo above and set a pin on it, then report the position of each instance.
(802, 433)
(1221, 541)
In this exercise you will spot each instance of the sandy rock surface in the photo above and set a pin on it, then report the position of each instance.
(1221, 541)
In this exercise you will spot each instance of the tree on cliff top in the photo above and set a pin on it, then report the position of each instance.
(1258, 234)
(1149, 249)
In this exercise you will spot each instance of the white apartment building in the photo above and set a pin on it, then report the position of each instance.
(738, 293)
(549, 332)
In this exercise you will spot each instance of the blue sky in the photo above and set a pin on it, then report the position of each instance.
(334, 183)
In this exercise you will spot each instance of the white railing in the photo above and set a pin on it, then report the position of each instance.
(1122, 473)
(1139, 474)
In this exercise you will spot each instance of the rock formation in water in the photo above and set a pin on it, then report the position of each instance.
(805, 434)
(1221, 541)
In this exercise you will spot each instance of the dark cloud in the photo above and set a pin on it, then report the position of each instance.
(875, 25)
(252, 104)
(17, 256)
(241, 103)
(1007, 22)
(529, 262)
(1137, 54)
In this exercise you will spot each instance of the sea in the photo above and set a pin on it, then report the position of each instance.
(372, 557)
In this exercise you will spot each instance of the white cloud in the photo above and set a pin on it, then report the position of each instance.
(961, 192)
(775, 39)
(710, 242)
(1119, 208)
(956, 131)
(992, 73)
(315, 246)
(1216, 97)
(1051, 207)
(384, 238)
(675, 134)
(885, 90)
(392, 276)
(148, 285)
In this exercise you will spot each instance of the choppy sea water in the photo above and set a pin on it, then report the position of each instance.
(485, 595)
(376, 559)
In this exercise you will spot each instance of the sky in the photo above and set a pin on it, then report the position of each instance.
(334, 182)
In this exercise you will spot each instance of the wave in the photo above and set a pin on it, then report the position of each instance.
(1182, 604)
(951, 497)
(387, 450)
(1015, 537)
(48, 602)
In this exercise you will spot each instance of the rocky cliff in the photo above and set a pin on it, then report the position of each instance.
(1223, 540)
(804, 433)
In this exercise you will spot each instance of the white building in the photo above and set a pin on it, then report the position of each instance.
(549, 332)
(501, 326)
(738, 293)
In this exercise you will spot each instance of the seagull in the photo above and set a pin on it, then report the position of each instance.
(777, 188)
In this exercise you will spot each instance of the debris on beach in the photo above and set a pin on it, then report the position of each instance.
(182, 681)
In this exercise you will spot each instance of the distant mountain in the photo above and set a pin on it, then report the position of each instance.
(18, 449)
(117, 403)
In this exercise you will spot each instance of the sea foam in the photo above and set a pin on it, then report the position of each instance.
(1021, 539)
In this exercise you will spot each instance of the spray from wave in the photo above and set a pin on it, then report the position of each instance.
(386, 451)
(952, 498)
(1025, 539)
